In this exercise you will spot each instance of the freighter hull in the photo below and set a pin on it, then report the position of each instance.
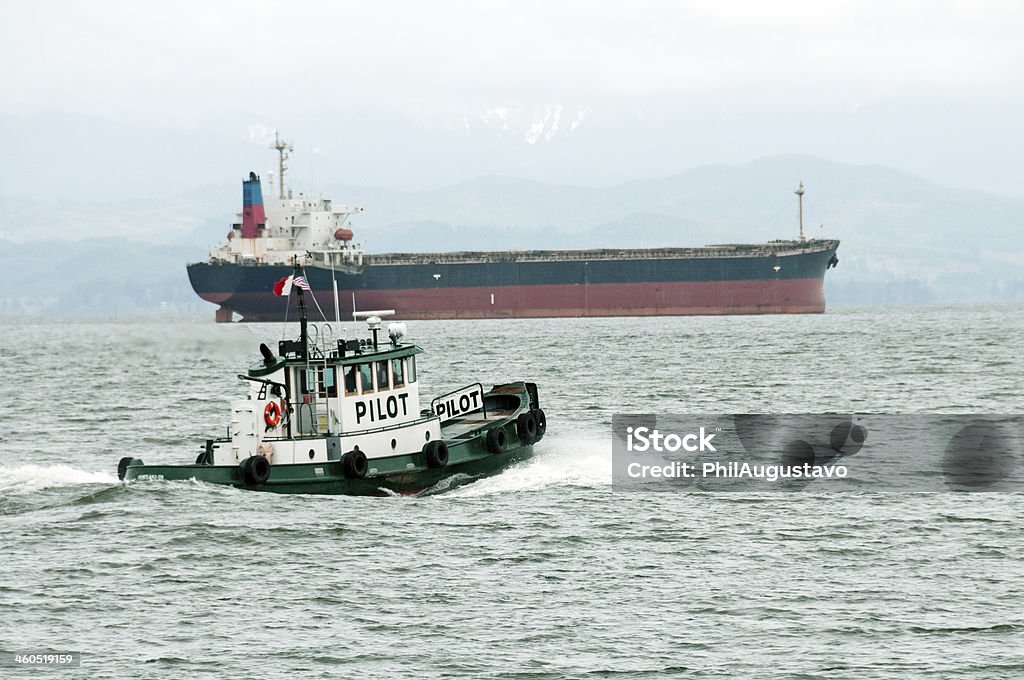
(748, 280)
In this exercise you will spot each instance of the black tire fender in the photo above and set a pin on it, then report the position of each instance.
(255, 470)
(497, 440)
(542, 422)
(122, 466)
(354, 464)
(526, 427)
(436, 453)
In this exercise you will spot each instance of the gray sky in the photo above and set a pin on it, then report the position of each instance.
(934, 88)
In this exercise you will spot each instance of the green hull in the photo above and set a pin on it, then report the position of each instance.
(403, 474)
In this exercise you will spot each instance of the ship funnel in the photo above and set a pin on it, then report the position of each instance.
(253, 216)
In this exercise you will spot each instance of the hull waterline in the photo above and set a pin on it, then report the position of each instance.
(763, 284)
(330, 479)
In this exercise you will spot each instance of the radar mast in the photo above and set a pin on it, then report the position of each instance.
(283, 148)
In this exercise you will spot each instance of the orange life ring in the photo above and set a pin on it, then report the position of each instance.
(272, 414)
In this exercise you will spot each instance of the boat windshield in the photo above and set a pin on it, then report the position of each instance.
(350, 379)
(396, 372)
(366, 377)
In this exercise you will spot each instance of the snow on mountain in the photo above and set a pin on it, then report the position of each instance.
(577, 120)
(546, 126)
(533, 124)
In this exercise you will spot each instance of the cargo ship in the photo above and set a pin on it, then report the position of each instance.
(269, 238)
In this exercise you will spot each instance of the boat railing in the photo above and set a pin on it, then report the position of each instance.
(385, 428)
(714, 251)
(311, 422)
(321, 341)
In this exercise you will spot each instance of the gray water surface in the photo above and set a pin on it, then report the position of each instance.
(542, 571)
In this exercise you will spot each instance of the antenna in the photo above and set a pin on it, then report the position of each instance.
(283, 148)
(800, 192)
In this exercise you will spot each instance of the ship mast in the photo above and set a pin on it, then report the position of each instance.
(283, 148)
(800, 192)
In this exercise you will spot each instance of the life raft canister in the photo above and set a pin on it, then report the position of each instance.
(272, 414)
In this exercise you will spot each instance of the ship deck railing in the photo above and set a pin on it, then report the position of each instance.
(713, 251)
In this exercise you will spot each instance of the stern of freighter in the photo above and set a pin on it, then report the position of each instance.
(219, 284)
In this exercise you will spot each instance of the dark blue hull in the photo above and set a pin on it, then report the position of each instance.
(781, 277)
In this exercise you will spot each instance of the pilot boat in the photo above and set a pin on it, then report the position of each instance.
(345, 417)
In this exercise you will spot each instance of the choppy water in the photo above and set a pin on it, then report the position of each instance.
(540, 572)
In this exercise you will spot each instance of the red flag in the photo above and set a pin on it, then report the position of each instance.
(284, 286)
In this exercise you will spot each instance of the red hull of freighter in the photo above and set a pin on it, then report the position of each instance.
(795, 296)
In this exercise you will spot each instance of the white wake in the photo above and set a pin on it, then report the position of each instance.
(559, 461)
(32, 478)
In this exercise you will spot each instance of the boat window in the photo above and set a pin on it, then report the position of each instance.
(307, 381)
(382, 375)
(328, 388)
(366, 377)
(411, 373)
(350, 379)
(396, 371)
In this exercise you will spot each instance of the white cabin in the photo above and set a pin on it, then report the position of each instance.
(305, 406)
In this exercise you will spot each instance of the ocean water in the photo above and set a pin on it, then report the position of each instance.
(542, 571)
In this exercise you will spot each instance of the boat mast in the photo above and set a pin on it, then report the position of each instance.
(283, 148)
(800, 192)
(303, 323)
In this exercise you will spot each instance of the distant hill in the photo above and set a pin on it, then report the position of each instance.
(904, 239)
(97, 277)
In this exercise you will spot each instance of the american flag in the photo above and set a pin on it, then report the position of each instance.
(300, 281)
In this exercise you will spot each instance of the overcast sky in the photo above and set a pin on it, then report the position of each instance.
(935, 88)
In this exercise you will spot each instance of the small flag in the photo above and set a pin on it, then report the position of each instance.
(284, 286)
(300, 281)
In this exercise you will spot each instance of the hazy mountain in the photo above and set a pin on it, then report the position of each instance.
(97, 277)
(904, 239)
(429, 145)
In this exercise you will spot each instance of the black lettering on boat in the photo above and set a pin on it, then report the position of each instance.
(381, 408)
